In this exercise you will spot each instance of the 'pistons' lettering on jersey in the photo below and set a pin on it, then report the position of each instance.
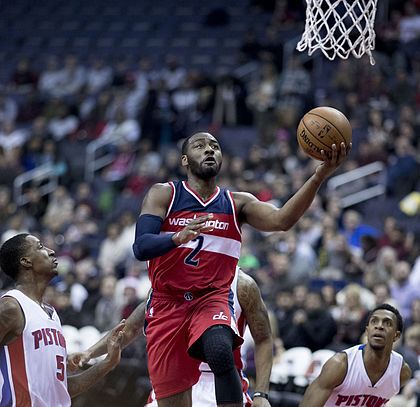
(360, 400)
(48, 336)
(215, 224)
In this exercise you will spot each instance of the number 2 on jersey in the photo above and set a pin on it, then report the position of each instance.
(191, 258)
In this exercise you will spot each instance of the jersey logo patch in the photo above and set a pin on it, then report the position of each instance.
(221, 315)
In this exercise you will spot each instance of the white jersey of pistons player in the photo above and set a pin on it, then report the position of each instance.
(33, 367)
(204, 392)
(357, 390)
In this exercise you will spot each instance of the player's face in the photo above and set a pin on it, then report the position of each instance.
(204, 157)
(382, 329)
(41, 258)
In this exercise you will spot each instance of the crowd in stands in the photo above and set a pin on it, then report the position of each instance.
(319, 280)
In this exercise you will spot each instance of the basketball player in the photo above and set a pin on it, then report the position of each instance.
(32, 346)
(249, 310)
(189, 232)
(364, 375)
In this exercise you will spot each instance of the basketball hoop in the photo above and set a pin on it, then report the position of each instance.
(339, 28)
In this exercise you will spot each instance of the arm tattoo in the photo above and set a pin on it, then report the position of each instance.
(254, 309)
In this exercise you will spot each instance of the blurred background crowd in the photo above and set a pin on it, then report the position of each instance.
(95, 98)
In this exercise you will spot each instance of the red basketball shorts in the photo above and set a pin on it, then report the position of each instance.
(172, 326)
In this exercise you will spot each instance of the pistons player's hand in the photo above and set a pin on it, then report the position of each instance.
(77, 360)
(193, 229)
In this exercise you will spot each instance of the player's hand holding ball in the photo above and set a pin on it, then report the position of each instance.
(324, 133)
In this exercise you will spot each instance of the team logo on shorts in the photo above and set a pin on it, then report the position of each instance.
(221, 315)
(188, 296)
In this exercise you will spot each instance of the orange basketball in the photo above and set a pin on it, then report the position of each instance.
(320, 128)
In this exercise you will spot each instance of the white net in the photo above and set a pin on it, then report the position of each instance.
(339, 28)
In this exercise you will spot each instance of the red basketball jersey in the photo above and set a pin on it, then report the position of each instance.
(210, 260)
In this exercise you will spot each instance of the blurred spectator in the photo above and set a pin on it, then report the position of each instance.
(396, 237)
(108, 256)
(68, 315)
(51, 77)
(24, 78)
(121, 129)
(353, 229)
(403, 168)
(401, 289)
(312, 327)
(131, 299)
(59, 210)
(284, 310)
(11, 137)
(415, 313)
(173, 74)
(8, 109)
(72, 77)
(106, 311)
(98, 76)
(294, 84)
(63, 124)
(250, 47)
(262, 101)
(350, 318)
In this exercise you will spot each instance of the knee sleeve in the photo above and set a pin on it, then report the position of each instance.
(217, 348)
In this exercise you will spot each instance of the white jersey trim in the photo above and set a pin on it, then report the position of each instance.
(171, 184)
(215, 244)
(232, 202)
(207, 203)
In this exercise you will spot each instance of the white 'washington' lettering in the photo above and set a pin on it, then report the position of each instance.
(215, 224)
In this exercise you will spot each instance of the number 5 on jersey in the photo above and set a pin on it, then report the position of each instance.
(192, 259)
(60, 367)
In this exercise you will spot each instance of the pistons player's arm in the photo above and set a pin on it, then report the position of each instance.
(149, 243)
(79, 383)
(132, 329)
(266, 217)
(332, 375)
(256, 315)
(405, 374)
(12, 320)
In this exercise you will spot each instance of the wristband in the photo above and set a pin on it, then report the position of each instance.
(260, 394)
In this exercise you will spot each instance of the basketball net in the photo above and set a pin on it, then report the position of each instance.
(339, 28)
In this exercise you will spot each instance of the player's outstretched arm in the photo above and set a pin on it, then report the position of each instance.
(11, 320)
(256, 315)
(267, 217)
(79, 383)
(331, 376)
(131, 328)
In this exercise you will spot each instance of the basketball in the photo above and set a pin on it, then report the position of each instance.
(320, 128)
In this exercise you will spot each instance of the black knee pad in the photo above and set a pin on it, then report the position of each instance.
(217, 344)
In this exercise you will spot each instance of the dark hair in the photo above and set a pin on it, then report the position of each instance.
(387, 307)
(10, 253)
(185, 143)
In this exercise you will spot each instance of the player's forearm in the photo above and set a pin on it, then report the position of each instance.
(99, 348)
(131, 331)
(263, 363)
(81, 382)
(297, 205)
(148, 243)
(134, 324)
(315, 397)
